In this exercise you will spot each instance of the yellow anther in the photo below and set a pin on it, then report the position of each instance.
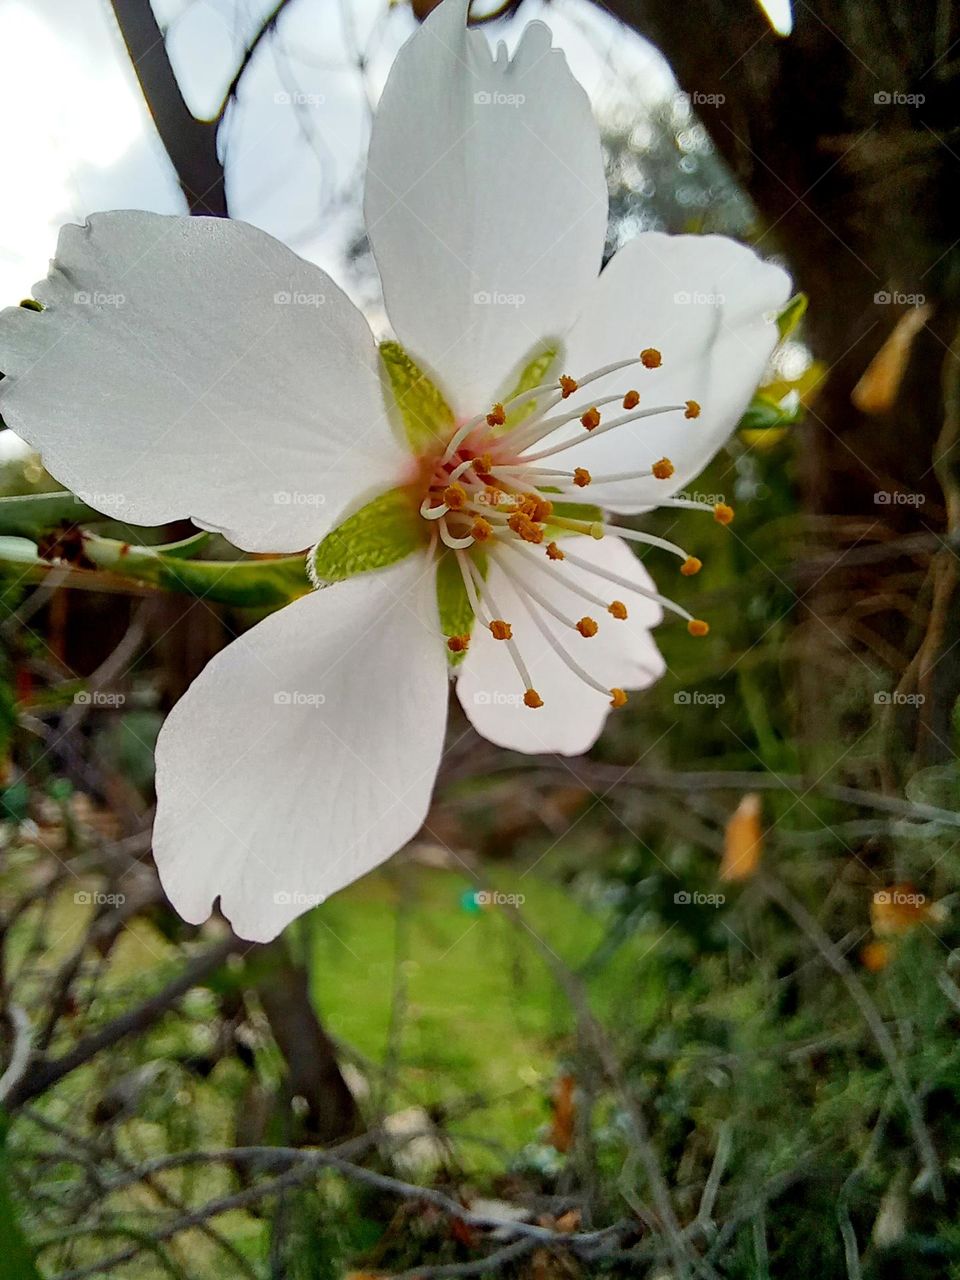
(581, 477)
(524, 527)
(697, 627)
(532, 699)
(596, 530)
(663, 469)
(481, 529)
(554, 552)
(483, 463)
(501, 630)
(492, 496)
(651, 358)
(618, 609)
(722, 513)
(587, 627)
(691, 566)
(631, 399)
(537, 508)
(458, 644)
(591, 418)
(693, 409)
(455, 496)
(618, 699)
(497, 416)
(567, 386)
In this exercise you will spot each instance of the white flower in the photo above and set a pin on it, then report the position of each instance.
(190, 367)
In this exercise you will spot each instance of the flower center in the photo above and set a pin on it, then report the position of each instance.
(500, 493)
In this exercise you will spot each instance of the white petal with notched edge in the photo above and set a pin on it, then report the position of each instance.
(305, 753)
(621, 654)
(708, 305)
(196, 367)
(486, 204)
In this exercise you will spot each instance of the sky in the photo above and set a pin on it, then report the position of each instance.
(293, 142)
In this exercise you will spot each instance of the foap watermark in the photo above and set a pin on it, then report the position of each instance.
(294, 298)
(292, 498)
(710, 499)
(496, 298)
(697, 298)
(688, 898)
(298, 698)
(698, 99)
(897, 498)
(96, 298)
(494, 898)
(298, 99)
(94, 898)
(898, 898)
(294, 898)
(896, 298)
(496, 98)
(497, 698)
(895, 98)
(696, 698)
(886, 698)
(99, 698)
(110, 501)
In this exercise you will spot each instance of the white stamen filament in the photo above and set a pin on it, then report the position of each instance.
(486, 596)
(535, 595)
(603, 429)
(627, 584)
(568, 661)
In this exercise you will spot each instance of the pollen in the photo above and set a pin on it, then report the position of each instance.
(458, 644)
(663, 469)
(651, 358)
(455, 496)
(587, 627)
(481, 529)
(618, 609)
(524, 527)
(532, 699)
(581, 477)
(697, 627)
(497, 416)
(691, 566)
(693, 409)
(554, 552)
(722, 513)
(618, 698)
(538, 509)
(501, 630)
(591, 418)
(483, 463)
(631, 399)
(567, 386)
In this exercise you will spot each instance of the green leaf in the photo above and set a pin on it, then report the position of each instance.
(427, 418)
(764, 413)
(384, 531)
(16, 1256)
(255, 584)
(532, 376)
(33, 514)
(453, 603)
(791, 315)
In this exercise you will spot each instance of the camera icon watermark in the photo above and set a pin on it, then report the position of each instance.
(496, 698)
(684, 298)
(493, 898)
(96, 298)
(496, 298)
(294, 298)
(99, 698)
(898, 898)
(291, 498)
(894, 98)
(896, 298)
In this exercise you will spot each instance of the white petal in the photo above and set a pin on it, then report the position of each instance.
(707, 304)
(305, 753)
(621, 654)
(196, 367)
(486, 203)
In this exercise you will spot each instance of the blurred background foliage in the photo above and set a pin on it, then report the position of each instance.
(708, 1026)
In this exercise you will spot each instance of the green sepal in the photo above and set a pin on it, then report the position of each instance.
(386, 530)
(532, 375)
(453, 603)
(427, 418)
(791, 315)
